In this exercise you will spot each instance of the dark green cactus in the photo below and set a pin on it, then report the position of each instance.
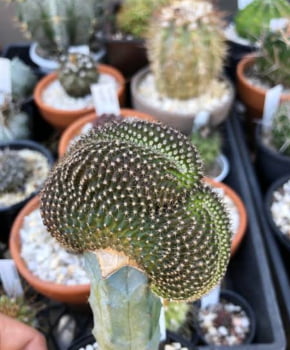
(254, 20)
(137, 188)
(77, 73)
(13, 171)
(280, 131)
(273, 61)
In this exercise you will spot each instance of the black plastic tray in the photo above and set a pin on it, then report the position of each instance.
(279, 256)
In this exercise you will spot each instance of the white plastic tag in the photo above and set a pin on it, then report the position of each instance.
(211, 298)
(84, 49)
(10, 278)
(278, 23)
(162, 324)
(243, 3)
(105, 99)
(271, 105)
(5, 74)
(200, 120)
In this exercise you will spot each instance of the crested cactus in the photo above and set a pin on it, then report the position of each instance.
(273, 63)
(254, 19)
(13, 171)
(186, 48)
(57, 24)
(77, 73)
(132, 193)
(280, 131)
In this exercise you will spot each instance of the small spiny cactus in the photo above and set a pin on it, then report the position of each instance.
(18, 309)
(254, 20)
(186, 48)
(13, 171)
(77, 73)
(273, 63)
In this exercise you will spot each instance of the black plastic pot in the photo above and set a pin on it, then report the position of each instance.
(8, 214)
(268, 202)
(236, 299)
(270, 164)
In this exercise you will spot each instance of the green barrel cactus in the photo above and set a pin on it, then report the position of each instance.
(136, 188)
(280, 131)
(77, 73)
(186, 48)
(273, 62)
(254, 20)
(13, 171)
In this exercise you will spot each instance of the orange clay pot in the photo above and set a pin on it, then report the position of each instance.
(69, 294)
(60, 119)
(243, 219)
(74, 129)
(251, 95)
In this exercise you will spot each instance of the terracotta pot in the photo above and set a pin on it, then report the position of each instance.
(180, 121)
(239, 235)
(74, 129)
(251, 95)
(60, 119)
(68, 294)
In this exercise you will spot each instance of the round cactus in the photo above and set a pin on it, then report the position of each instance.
(186, 48)
(137, 188)
(280, 132)
(77, 73)
(254, 19)
(273, 62)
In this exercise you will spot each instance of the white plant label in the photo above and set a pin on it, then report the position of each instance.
(5, 74)
(271, 105)
(162, 324)
(83, 49)
(278, 23)
(105, 99)
(10, 278)
(200, 120)
(243, 3)
(212, 298)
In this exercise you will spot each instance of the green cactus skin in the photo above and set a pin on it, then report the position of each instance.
(77, 73)
(186, 51)
(273, 63)
(280, 132)
(13, 171)
(58, 24)
(254, 20)
(134, 16)
(115, 301)
(18, 309)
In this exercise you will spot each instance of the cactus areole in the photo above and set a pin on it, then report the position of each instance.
(135, 188)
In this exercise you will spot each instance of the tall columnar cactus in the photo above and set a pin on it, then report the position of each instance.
(57, 24)
(13, 171)
(254, 20)
(77, 73)
(186, 48)
(273, 62)
(132, 192)
(280, 131)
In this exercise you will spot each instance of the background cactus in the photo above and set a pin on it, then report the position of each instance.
(77, 73)
(254, 20)
(136, 188)
(13, 171)
(280, 131)
(186, 48)
(58, 24)
(273, 62)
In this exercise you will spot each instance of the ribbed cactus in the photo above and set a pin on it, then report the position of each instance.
(134, 16)
(13, 171)
(186, 48)
(57, 24)
(136, 188)
(77, 73)
(273, 62)
(280, 131)
(254, 20)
